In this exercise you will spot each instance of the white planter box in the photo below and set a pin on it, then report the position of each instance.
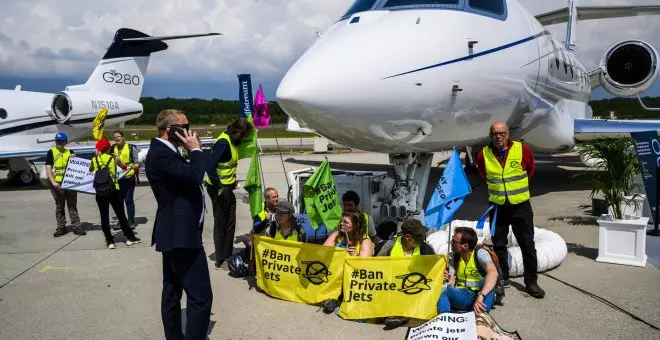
(622, 241)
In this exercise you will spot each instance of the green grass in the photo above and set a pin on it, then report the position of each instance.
(144, 132)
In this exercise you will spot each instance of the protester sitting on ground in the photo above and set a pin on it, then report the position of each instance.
(470, 277)
(285, 226)
(350, 202)
(267, 213)
(409, 242)
(101, 161)
(350, 234)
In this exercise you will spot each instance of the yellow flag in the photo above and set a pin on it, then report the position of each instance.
(99, 122)
(392, 286)
(298, 272)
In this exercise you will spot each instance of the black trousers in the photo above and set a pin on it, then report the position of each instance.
(521, 219)
(224, 222)
(186, 270)
(104, 203)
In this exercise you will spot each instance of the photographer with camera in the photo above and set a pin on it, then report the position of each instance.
(177, 186)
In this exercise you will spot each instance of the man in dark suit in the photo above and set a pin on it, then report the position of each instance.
(176, 184)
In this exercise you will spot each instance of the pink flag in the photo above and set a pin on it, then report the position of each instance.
(260, 116)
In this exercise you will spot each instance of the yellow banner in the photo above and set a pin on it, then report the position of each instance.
(99, 123)
(392, 286)
(298, 272)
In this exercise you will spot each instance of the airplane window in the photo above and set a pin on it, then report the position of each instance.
(493, 6)
(3, 113)
(395, 3)
(359, 6)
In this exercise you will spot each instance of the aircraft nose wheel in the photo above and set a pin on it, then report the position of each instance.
(26, 177)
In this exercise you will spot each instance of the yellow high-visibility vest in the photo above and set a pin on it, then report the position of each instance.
(467, 274)
(125, 157)
(226, 171)
(100, 161)
(293, 236)
(59, 163)
(509, 183)
(397, 250)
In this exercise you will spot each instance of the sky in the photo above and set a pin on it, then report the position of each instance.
(46, 45)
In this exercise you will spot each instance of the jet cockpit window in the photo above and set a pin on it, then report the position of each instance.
(492, 6)
(359, 6)
(420, 3)
(3, 113)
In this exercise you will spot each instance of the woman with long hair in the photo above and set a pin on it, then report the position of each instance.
(350, 235)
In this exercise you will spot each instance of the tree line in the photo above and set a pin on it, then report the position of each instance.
(219, 112)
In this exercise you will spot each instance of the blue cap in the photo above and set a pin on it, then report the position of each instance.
(60, 136)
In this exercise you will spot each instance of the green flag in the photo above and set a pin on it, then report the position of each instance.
(321, 201)
(254, 185)
(248, 147)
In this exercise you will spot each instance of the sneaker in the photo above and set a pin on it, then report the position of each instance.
(59, 232)
(506, 284)
(79, 231)
(110, 245)
(329, 305)
(131, 241)
(535, 291)
(394, 322)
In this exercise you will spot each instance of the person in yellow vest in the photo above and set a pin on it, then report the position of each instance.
(104, 159)
(220, 185)
(470, 277)
(127, 155)
(349, 235)
(284, 226)
(350, 202)
(508, 166)
(411, 241)
(57, 159)
(267, 213)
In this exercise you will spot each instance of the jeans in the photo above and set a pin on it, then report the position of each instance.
(462, 299)
(127, 189)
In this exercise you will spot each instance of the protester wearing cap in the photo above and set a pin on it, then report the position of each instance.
(285, 226)
(57, 159)
(103, 160)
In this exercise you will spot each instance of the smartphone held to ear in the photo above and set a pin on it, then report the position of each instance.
(173, 138)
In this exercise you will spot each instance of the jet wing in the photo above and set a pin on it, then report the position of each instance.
(79, 149)
(586, 129)
(596, 12)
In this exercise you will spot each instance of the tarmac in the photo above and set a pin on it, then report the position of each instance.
(72, 287)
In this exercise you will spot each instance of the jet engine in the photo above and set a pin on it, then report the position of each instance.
(61, 108)
(629, 68)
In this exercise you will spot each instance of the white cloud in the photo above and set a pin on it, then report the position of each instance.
(263, 37)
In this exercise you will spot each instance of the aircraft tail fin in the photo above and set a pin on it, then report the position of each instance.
(122, 69)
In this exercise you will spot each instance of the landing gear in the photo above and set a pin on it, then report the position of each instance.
(21, 171)
(411, 179)
(470, 160)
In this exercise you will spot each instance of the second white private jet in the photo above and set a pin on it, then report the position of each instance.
(412, 77)
(30, 120)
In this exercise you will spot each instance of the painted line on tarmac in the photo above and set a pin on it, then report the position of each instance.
(34, 265)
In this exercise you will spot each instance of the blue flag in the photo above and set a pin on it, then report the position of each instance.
(245, 94)
(449, 194)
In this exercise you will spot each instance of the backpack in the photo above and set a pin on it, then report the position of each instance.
(499, 286)
(104, 184)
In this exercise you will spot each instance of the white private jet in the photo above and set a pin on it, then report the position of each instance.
(412, 77)
(30, 120)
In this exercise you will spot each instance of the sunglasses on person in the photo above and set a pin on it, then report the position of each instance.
(181, 126)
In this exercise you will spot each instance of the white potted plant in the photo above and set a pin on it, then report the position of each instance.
(622, 232)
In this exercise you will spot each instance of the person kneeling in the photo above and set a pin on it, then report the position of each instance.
(411, 241)
(475, 275)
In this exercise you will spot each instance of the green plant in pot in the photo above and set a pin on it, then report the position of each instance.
(614, 176)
